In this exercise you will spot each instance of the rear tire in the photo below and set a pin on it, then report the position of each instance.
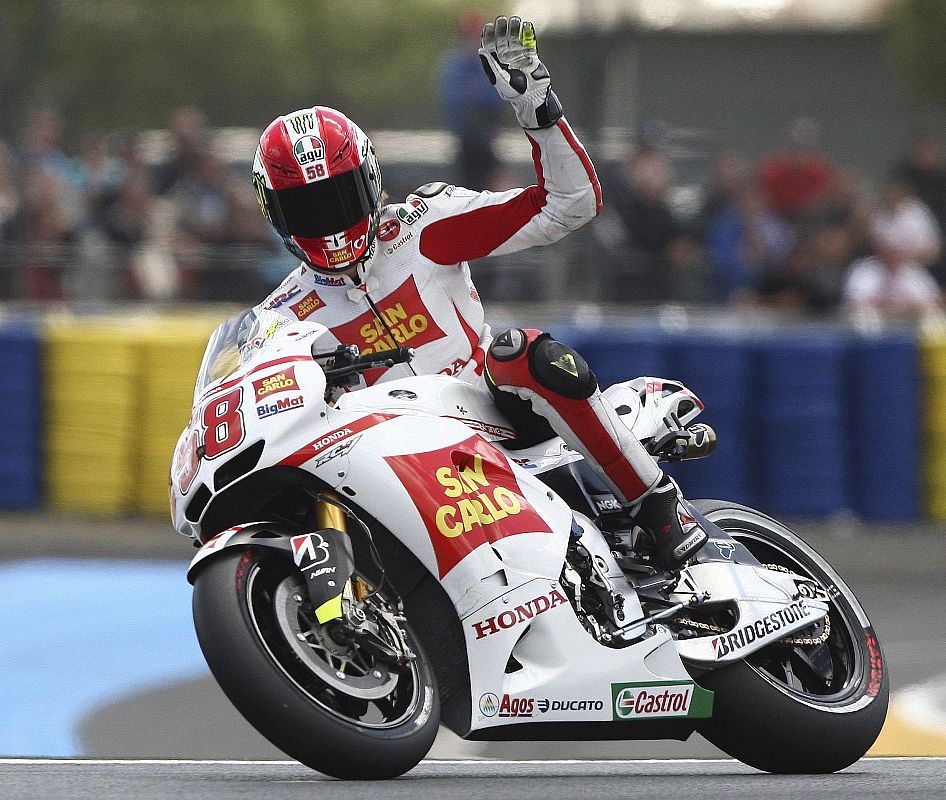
(293, 693)
(801, 708)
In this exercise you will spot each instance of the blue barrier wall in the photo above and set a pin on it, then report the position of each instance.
(718, 370)
(811, 421)
(884, 429)
(20, 428)
(799, 449)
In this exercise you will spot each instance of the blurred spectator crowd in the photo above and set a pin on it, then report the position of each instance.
(99, 223)
(794, 231)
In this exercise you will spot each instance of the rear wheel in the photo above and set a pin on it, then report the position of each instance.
(340, 705)
(814, 702)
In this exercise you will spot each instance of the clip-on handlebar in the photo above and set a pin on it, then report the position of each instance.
(344, 364)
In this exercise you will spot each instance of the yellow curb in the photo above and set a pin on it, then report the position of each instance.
(903, 737)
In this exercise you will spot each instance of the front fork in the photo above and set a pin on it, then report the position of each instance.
(328, 514)
(326, 559)
(332, 521)
(331, 515)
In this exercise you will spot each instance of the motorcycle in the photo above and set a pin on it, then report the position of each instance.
(376, 563)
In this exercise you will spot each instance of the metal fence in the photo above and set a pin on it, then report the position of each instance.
(590, 266)
(92, 270)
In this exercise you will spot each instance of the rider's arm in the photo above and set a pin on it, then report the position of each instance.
(567, 194)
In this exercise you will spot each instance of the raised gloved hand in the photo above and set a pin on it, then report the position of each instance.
(513, 67)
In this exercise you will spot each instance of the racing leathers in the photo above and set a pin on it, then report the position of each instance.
(417, 292)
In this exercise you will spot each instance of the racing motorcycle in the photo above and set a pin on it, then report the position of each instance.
(376, 563)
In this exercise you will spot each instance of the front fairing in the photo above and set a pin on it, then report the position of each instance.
(249, 418)
(404, 451)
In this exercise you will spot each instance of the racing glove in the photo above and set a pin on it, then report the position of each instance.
(513, 67)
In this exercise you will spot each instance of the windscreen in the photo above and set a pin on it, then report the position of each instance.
(223, 353)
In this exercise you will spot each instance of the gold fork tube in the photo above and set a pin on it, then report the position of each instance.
(328, 515)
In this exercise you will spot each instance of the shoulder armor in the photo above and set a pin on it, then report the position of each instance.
(433, 189)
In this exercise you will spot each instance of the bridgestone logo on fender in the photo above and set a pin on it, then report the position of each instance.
(771, 623)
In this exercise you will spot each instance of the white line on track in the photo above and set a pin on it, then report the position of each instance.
(430, 761)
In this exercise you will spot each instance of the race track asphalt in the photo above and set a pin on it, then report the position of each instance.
(868, 779)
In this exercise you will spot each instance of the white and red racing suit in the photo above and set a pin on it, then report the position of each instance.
(418, 293)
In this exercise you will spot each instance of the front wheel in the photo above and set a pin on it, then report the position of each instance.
(342, 709)
(810, 703)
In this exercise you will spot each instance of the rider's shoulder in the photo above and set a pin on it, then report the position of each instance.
(293, 288)
(424, 205)
(433, 189)
(442, 192)
(281, 297)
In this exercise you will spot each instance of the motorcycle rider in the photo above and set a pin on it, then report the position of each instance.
(383, 276)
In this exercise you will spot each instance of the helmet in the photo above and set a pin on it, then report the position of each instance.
(319, 185)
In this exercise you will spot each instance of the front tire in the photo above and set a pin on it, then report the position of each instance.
(336, 710)
(796, 707)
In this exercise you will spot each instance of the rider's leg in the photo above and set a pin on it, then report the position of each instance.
(560, 387)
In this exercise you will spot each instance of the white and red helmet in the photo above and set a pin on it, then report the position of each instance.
(319, 185)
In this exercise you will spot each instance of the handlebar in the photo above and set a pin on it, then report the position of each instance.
(387, 358)
(345, 362)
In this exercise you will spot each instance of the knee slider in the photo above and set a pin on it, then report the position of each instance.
(558, 367)
(518, 357)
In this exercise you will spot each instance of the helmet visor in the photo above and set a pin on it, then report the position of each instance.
(324, 207)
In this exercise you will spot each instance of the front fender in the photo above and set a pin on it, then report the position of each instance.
(324, 558)
(256, 534)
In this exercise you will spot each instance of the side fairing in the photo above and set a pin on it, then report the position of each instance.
(496, 538)
(477, 521)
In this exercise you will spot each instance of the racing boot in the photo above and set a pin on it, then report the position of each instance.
(676, 535)
(695, 441)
